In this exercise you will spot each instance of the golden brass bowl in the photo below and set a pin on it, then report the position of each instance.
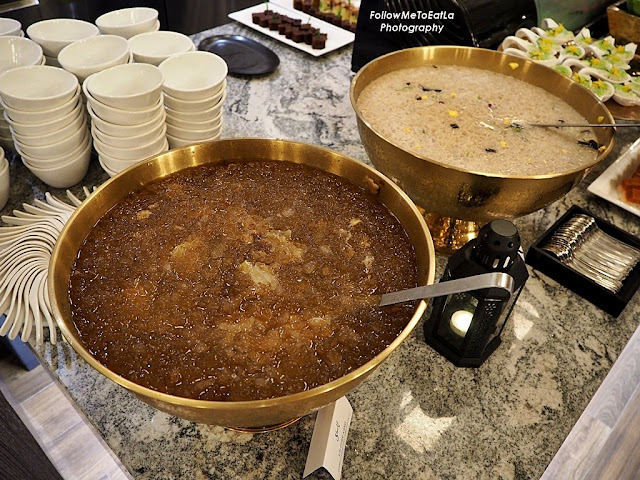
(457, 200)
(247, 414)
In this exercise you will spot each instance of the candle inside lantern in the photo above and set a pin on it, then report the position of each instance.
(461, 321)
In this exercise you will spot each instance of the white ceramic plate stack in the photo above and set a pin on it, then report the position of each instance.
(128, 22)
(15, 52)
(47, 121)
(53, 35)
(155, 47)
(194, 92)
(10, 27)
(127, 115)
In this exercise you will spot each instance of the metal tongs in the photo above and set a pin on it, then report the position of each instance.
(460, 285)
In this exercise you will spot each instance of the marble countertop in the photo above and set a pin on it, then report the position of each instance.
(417, 416)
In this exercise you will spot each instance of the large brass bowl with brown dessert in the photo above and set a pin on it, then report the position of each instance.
(456, 200)
(251, 415)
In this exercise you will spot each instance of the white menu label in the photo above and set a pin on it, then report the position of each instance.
(329, 438)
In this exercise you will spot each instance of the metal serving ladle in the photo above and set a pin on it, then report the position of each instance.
(460, 285)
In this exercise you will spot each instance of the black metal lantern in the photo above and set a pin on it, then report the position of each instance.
(465, 327)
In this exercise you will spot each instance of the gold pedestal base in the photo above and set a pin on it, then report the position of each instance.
(268, 429)
(450, 234)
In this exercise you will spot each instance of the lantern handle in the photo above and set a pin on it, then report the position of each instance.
(459, 285)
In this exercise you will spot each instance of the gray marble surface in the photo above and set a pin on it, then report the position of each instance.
(417, 416)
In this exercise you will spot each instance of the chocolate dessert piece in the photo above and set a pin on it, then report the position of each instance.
(274, 21)
(305, 26)
(298, 36)
(346, 24)
(306, 6)
(297, 4)
(264, 20)
(318, 41)
(296, 22)
(282, 27)
(255, 17)
(290, 31)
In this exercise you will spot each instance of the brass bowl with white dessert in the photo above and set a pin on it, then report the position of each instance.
(253, 415)
(458, 200)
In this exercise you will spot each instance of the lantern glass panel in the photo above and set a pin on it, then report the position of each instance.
(456, 317)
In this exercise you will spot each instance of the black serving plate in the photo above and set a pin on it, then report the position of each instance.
(243, 55)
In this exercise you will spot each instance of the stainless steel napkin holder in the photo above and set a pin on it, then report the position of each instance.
(544, 261)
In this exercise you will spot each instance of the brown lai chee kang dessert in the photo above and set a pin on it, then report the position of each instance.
(210, 286)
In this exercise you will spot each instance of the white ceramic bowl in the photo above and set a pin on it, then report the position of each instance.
(197, 116)
(5, 131)
(53, 137)
(128, 22)
(37, 88)
(67, 174)
(193, 135)
(52, 61)
(55, 34)
(4, 181)
(9, 26)
(63, 146)
(133, 86)
(7, 143)
(123, 117)
(129, 142)
(115, 165)
(176, 142)
(155, 47)
(109, 171)
(48, 127)
(152, 147)
(186, 125)
(91, 55)
(60, 159)
(193, 75)
(43, 116)
(124, 131)
(18, 52)
(196, 105)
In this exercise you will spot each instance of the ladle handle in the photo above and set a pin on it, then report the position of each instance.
(466, 284)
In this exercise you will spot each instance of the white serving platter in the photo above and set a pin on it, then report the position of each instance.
(336, 37)
(606, 185)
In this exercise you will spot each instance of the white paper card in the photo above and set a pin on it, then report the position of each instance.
(329, 438)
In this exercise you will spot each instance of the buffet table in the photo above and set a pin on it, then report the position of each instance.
(417, 416)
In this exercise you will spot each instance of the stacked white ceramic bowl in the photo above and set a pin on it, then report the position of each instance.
(92, 55)
(127, 115)
(55, 34)
(10, 27)
(4, 179)
(128, 22)
(15, 52)
(155, 47)
(47, 121)
(194, 92)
